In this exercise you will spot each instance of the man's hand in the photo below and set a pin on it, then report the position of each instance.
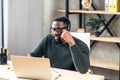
(67, 37)
(28, 55)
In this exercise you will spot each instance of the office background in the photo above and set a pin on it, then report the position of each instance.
(30, 20)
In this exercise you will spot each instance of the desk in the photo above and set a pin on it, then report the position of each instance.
(7, 74)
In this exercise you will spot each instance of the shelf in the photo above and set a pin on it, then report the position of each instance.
(106, 39)
(104, 64)
(90, 12)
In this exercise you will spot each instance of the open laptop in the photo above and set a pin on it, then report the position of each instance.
(31, 67)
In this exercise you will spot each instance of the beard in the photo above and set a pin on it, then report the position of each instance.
(58, 39)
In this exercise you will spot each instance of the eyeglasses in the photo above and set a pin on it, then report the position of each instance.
(58, 29)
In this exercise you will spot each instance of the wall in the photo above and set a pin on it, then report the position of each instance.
(25, 25)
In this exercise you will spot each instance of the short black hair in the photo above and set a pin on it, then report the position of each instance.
(65, 20)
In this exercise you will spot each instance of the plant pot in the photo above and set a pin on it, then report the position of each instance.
(97, 33)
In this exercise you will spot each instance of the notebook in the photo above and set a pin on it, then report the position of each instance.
(31, 67)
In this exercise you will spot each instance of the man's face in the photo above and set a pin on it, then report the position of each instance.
(57, 27)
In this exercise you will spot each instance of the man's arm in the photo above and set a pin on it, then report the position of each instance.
(80, 56)
(38, 51)
(79, 52)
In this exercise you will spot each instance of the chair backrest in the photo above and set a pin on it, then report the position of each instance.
(85, 37)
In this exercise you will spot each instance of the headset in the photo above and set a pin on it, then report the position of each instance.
(69, 27)
(68, 23)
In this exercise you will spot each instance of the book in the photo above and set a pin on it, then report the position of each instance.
(114, 6)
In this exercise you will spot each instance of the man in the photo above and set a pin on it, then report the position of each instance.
(63, 50)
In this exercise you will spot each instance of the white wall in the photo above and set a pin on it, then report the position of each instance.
(25, 25)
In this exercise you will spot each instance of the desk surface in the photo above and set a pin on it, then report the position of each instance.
(8, 74)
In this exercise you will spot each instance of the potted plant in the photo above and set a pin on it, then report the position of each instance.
(94, 24)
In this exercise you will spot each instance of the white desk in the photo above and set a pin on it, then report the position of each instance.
(8, 74)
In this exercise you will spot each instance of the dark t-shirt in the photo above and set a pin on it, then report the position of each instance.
(62, 55)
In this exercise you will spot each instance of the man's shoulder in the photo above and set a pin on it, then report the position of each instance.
(48, 37)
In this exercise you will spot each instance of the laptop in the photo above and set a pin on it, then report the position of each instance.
(31, 67)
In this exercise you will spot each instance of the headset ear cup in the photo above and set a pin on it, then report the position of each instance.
(69, 27)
